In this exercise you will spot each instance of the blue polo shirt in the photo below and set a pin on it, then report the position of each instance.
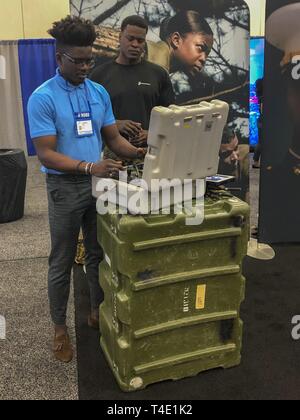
(51, 113)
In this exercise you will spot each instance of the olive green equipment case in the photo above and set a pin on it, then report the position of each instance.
(172, 292)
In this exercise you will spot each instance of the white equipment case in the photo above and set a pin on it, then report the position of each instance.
(183, 145)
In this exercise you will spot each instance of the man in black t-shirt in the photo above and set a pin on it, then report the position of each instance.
(135, 86)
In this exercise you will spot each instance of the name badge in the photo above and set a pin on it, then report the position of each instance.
(84, 124)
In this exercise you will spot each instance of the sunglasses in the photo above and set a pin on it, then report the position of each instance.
(80, 61)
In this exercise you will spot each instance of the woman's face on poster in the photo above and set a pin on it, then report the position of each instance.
(192, 50)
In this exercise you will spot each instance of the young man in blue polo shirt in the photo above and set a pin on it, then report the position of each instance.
(69, 116)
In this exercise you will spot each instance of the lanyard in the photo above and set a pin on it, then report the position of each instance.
(83, 119)
(87, 99)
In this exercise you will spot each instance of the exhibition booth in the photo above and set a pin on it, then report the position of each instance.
(191, 311)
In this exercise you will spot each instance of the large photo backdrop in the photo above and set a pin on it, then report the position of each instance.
(280, 177)
(224, 75)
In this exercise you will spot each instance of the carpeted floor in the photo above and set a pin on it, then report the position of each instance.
(270, 360)
(27, 367)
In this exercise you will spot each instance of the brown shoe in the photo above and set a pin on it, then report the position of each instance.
(62, 348)
(93, 323)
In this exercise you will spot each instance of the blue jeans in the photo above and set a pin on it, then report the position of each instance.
(71, 206)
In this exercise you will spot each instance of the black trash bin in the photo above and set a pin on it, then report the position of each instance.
(13, 176)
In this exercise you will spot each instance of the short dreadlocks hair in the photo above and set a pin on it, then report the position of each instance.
(73, 32)
(134, 20)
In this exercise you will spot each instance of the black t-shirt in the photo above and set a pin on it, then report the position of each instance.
(135, 89)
